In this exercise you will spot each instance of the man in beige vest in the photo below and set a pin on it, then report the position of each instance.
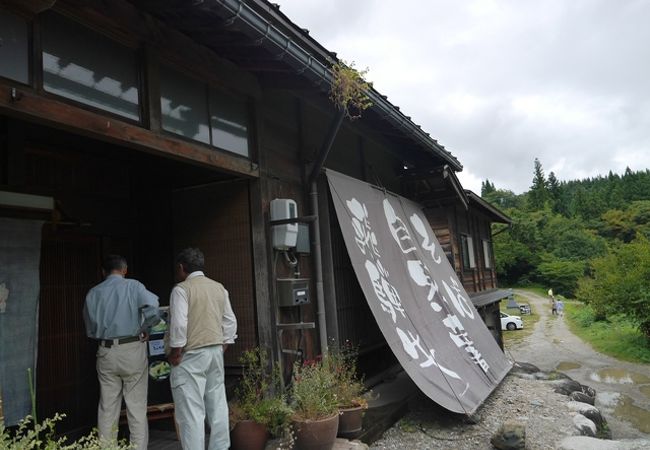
(202, 324)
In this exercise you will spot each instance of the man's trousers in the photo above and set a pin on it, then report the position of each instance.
(199, 393)
(122, 372)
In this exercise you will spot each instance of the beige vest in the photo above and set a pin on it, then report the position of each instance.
(205, 304)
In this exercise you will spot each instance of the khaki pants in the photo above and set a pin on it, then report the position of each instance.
(199, 393)
(122, 372)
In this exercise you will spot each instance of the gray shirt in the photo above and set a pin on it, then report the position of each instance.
(119, 307)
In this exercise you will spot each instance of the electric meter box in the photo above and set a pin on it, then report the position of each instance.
(293, 291)
(285, 235)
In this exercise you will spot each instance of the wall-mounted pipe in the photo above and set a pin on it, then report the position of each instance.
(316, 245)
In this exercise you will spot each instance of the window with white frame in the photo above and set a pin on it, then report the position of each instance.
(487, 253)
(467, 251)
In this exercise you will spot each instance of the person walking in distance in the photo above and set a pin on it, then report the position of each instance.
(118, 312)
(202, 325)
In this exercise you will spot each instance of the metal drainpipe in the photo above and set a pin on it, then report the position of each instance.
(316, 247)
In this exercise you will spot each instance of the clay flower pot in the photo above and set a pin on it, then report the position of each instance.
(317, 434)
(350, 422)
(248, 435)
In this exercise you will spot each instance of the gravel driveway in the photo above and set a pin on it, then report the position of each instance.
(623, 388)
(544, 413)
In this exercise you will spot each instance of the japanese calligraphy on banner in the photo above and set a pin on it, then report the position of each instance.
(415, 296)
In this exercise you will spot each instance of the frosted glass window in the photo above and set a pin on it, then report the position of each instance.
(14, 47)
(89, 68)
(467, 252)
(184, 106)
(229, 122)
(487, 256)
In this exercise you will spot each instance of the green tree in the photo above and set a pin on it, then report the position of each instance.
(487, 187)
(553, 186)
(561, 274)
(626, 224)
(538, 193)
(621, 283)
(504, 199)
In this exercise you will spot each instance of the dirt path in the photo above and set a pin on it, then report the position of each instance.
(623, 388)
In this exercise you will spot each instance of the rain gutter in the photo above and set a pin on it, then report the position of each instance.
(305, 64)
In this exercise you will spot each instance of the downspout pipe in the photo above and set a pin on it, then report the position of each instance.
(316, 245)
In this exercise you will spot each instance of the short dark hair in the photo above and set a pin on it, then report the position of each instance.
(114, 262)
(191, 259)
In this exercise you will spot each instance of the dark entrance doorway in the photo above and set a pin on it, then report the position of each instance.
(111, 199)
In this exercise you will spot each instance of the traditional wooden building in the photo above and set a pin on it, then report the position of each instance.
(141, 127)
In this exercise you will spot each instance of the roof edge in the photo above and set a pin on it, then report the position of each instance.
(491, 209)
(270, 35)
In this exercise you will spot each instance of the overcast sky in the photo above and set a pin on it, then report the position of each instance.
(499, 83)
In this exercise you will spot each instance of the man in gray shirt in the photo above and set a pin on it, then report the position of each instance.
(118, 313)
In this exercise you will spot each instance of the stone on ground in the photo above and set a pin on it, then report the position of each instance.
(344, 444)
(510, 435)
(566, 386)
(590, 443)
(524, 367)
(589, 411)
(584, 426)
(582, 397)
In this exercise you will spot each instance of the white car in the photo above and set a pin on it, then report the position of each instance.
(511, 322)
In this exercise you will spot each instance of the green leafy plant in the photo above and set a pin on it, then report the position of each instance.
(32, 435)
(313, 391)
(349, 90)
(260, 396)
(349, 387)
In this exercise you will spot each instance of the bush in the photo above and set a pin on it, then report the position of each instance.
(41, 436)
(313, 391)
(260, 396)
(349, 387)
(621, 283)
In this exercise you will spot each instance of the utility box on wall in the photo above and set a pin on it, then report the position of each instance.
(293, 291)
(285, 235)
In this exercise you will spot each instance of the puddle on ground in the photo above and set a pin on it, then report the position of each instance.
(568, 365)
(607, 400)
(628, 411)
(618, 376)
(645, 390)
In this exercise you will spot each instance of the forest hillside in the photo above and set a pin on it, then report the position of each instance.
(587, 239)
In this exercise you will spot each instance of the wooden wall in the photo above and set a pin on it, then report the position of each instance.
(216, 219)
(449, 223)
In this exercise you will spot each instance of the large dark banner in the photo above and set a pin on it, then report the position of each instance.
(420, 305)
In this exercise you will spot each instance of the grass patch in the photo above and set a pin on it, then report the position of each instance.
(617, 336)
(516, 336)
(535, 288)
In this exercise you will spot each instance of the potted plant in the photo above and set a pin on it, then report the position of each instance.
(315, 405)
(260, 408)
(349, 390)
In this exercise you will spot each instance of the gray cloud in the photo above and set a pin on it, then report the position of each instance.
(502, 82)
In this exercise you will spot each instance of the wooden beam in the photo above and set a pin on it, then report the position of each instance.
(262, 253)
(25, 104)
